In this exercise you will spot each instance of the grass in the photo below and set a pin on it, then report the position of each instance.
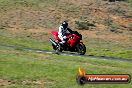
(96, 47)
(22, 41)
(101, 47)
(25, 43)
(56, 71)
(121, 53)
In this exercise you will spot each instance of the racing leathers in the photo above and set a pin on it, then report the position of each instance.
(62, 33)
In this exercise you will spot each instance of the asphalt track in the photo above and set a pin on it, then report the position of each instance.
(69, 54)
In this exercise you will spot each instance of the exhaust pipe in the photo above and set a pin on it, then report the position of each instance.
(53, 42)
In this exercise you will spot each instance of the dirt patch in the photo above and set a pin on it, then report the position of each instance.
(40, 56)
(123, 21)
(4, 82)
(39, 34)
(106, 36)
(8, 51)
(35, 82)
(30, 30)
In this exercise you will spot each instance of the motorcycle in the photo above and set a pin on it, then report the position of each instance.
(73, 43)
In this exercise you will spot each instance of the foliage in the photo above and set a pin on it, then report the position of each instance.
(84, 25)
(113, 27)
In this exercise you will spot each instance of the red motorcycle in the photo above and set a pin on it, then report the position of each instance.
(73, 43)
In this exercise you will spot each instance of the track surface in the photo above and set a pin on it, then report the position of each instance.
(70, 54)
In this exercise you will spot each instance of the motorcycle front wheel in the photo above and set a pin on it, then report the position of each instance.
(81, 49)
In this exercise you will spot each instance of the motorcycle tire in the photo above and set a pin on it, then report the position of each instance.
(56, 49)
(81, 49)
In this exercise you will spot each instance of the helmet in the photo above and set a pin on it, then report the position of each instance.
(65, 24)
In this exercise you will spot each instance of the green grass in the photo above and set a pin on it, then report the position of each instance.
(121, 53)
(96, 47)
(101, 47)
(56, 70)
(25, 43)
(22, 41)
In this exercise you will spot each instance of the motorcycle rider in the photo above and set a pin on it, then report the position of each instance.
(63, 28)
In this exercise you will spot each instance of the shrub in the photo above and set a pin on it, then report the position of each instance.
(130, 26)
(83, 25)
(130, 2)
(113, 27)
